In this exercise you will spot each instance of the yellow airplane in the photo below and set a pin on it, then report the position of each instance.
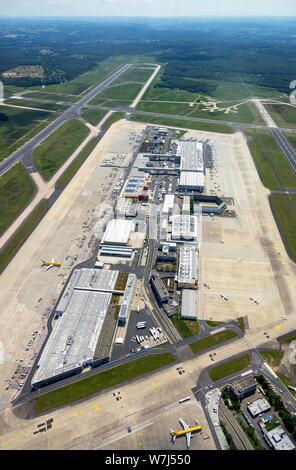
(187, 431)
(51, 264)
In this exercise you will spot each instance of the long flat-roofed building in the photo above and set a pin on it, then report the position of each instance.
(184, 228)
(188, 265)
(86, 318)
(191, 181)
(190, 153)
(189, 305)
(118, 232)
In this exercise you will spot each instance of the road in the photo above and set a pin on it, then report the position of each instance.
(278, 134)
(286, 147)
(71, 113)
(239, 437)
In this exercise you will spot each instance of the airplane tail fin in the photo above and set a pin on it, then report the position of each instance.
(173, 435)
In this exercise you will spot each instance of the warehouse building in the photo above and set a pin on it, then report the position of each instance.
(188, 266)
(191, 155)
(184, 228)
(86, 319)
(189, 306)
(258, 406)
(118, 232)
(243, 388)
(191, 181)
(116, 251)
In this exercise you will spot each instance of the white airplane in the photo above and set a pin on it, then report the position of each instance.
(187, 431)
(255, 301)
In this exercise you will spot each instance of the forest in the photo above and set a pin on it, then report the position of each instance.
(195, 53)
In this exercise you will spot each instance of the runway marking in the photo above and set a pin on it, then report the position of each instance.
(153, 385)
(123, 434)
(277, 328)
(97, 408)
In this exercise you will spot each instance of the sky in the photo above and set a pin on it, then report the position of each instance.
(147, 8)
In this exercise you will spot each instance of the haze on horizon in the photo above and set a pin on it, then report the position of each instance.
(147, 8)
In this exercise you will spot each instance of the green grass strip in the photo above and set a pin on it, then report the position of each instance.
(283, 210)
(101, 381)
(212, 340)
(10, 249)
(229, 368)
(16, 191)
(198, 126)
(51, 154)
(76, 164)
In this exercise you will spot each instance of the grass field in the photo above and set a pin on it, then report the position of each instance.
(291, 138)
(273, 358)
(212, 340)
(94, 116)
(52, 96)
(37, 104)
(10, 249)
(197, 126)
(245, 113)
(101, 381)
(50, 155)
(135, 74)
(283, 115)
(186, 328)
(288, 339)
(229, 368)
(283, 208)
(213, 324)
(225, 91)
(16, 191)
(117, 95)
(273, 168)
(17, 125)
(76, 164)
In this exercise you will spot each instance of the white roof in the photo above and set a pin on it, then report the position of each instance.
(184, 227)
(189, 306)
(168, 203)
(192, 179)
(191, 154)
(279, 439)
(118, 232)
(188, 263)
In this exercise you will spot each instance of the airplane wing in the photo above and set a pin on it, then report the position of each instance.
(49, 267)
(183, 424)
(188, 437)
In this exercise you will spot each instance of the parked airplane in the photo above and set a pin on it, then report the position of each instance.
(51, 264)
(187, 431)
(224, 297)
(255, 301)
